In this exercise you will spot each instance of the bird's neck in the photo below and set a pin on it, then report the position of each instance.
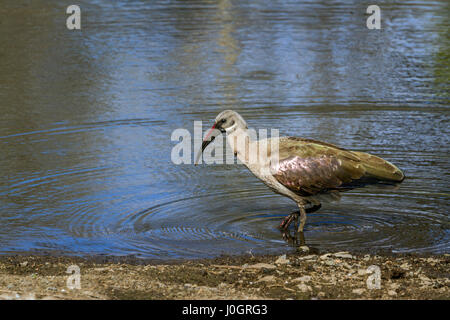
(240, 142)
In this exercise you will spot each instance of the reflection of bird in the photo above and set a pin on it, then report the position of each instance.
(302, 169)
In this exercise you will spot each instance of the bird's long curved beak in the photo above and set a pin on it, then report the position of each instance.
(212, 134)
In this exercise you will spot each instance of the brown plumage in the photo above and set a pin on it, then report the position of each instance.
(309, 167)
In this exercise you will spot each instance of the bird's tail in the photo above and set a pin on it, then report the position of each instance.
(380, 169)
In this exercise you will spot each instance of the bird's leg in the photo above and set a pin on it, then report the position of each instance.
(285, 223)
(296, 240)
(296, 219)
(301, 225)
(300, 237)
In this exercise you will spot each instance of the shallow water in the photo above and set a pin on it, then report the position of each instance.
(87, 116)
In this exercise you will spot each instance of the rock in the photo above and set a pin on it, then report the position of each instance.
(358, 291)
(432, 261)
(425, 280)
(405, 266)
(392, 293)
(330, 262)
(394, 286)
(366, 257)
(266, 279)
(303, 249)
(29, 296)
(304, 288)
(302, 279)
(343, 255)
(310, 257)
(262, 265)
(325, 256)
(6, 297)
(346, 265)
(101, 269)
(282, 260)
(24, 264)
(362, 272)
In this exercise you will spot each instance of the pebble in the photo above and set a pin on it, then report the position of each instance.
(362, 272)
(405, 266)
(303, 249)
(346, 265)
(262, 265)
(392, 293)
(330, 262)
(310, 257)
(302, 279)
(358, 291)
(282, 260)
(343, 255)
(426, 281)
(304, 288)
(394, 286)
(266, 279)
(24, 264)
(101, 269)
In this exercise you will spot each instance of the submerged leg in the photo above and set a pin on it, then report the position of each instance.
(296, 239)
(300, 239)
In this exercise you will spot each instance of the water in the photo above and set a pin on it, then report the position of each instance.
(86, 120)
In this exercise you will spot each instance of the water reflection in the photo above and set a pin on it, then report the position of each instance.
(87, 118)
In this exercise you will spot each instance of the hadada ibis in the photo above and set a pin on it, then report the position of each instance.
(304, 168)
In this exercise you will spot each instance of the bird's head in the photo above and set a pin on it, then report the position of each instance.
(227, 121)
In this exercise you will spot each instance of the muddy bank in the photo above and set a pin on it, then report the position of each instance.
(298, 276)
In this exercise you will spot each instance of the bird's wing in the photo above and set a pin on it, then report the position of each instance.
(308, 167)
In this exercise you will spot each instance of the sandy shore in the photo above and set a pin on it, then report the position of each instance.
(297, 276)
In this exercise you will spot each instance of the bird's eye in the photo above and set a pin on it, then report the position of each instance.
(223, 120)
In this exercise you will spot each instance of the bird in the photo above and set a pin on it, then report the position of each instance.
(301, 169)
